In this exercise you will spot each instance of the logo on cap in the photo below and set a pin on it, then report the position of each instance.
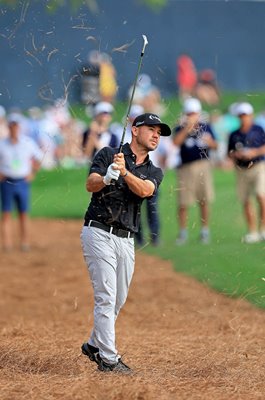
(152, 116)
(139, 123)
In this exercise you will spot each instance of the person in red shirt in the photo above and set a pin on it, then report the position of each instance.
(186, 76)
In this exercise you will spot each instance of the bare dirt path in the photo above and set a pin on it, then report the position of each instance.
(183, 340)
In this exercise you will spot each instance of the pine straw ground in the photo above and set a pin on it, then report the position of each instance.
(183, 340)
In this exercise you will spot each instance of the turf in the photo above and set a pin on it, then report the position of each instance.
(60, 193)
(226, 264)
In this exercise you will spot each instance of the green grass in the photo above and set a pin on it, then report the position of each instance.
(231, 267)
(173, 106)
(60, 193)
(226, 264)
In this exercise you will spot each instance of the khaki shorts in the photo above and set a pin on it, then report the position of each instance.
(195, 183)
(251, 181)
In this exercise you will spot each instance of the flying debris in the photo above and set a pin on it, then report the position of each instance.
(123, 48)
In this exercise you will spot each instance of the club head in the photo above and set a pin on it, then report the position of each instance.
(145, 40)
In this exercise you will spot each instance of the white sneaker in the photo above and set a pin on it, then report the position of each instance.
(205, 237)
(181, 240)
(253, 237)
(262, 235)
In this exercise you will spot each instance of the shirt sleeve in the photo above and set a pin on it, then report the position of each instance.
(101, 161)
(156, 177)
(262, 135)
(209, 130)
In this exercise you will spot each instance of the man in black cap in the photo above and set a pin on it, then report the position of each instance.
(119, 183)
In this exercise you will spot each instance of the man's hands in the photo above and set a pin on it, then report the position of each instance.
(112, 174)
(191, 121)
(120, 163)
(115, 169)
(245, 154)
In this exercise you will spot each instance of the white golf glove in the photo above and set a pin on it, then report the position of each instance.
(112, 174)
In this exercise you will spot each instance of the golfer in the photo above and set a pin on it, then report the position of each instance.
(119, 183)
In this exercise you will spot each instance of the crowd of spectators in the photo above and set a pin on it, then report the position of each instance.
(69, 142)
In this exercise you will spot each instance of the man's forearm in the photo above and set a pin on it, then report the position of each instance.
(143, 188)
(94, 183)
(179, 139)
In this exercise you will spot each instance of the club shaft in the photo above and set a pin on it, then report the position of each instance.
(132, 95)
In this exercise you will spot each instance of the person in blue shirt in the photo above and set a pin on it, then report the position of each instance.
(246, 147)
(195, 139)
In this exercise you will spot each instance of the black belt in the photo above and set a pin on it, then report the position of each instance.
(111, 229)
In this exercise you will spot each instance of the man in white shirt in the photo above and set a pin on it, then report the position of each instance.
(20, 158)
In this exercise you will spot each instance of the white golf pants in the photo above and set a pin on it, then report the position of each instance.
(110, 262)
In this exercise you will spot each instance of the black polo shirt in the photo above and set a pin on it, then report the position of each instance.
(116, 204)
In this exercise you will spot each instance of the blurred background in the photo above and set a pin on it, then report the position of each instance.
(60, 59)
(46, 44)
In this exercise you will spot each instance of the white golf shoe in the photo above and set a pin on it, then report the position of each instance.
(252, 237)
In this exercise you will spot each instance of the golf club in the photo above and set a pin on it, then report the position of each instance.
(132, 95)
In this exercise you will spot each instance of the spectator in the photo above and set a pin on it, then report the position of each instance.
(207, 90)
(98, 134)
(186, 76)
(90, 79)
(20, 158)
(246, 148)
(50, 139)
(147, 95)
(70, 132)
(107, 79)
(222, 125)
(195, 138)
(3, 123)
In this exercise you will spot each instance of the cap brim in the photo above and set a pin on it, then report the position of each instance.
(165, 129)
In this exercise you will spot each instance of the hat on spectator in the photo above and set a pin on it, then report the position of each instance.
(150, 119)
(136, 109)
(14, 118)
(192, 105)
(244, 108)
(103, 107)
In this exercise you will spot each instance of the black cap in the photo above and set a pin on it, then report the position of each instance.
(152, 119)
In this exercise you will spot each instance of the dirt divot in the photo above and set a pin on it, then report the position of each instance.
(183, 340)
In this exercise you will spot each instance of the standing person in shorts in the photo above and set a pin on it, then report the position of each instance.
(195, 139)
(246, 147)
(119, 183)
(20, 158)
